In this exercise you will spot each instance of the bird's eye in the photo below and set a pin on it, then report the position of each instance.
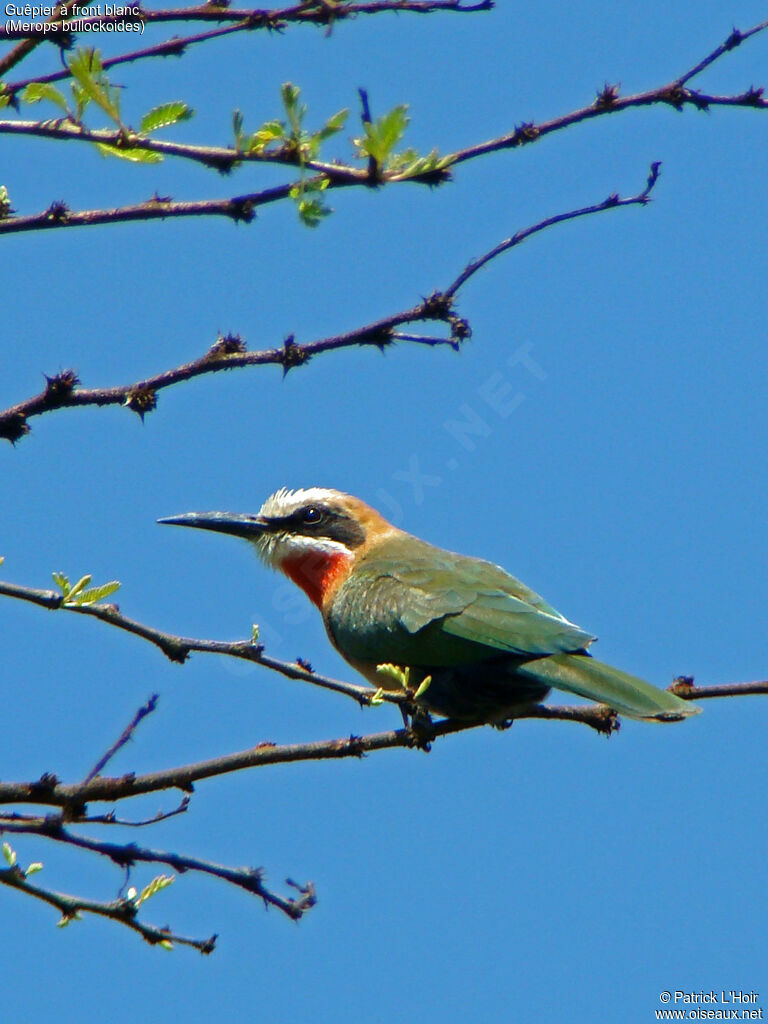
(311, 515)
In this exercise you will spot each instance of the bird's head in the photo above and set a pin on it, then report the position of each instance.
(313, 535)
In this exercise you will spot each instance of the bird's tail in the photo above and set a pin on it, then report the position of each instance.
(626, 694)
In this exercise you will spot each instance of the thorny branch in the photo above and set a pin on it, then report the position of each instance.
(63, 391)
(125, 908)
(333, 175)
(121, 910)
(314, 12)
(73, 799)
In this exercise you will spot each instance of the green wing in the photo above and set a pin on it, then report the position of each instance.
(420, 602)
(410, 603)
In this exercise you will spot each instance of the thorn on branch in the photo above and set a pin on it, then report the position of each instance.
(683, 686)
(460, 330)
(226, 345)
(141, 400)
(220, 162)
(697, 100)
(753, 97)
(46, 783)
(437, 306)
(57, 212)
(292, 355)
(607, 97)
(13, 427)
(675, 96)
(381, 338)
(307, 898)
(354, 746)
(59, 387)
(242, 209)
(524, 133)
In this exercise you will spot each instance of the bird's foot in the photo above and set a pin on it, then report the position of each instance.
(419, 723)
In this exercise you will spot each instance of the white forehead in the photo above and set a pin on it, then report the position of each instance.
(285, 501)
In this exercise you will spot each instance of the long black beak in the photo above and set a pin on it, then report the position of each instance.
(246, 526)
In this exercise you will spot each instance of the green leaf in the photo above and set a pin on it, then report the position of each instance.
(157, 884)
(64, 921)
(254, 632)
(333, 125)
(81, 99)
(401, 676)
(423, 687)
(237, 125)
(166, 944)
(135, 154)
(86, 68)
(33, 868)
(313, 211)
(412, 165)
(10, 855)
(62, 582)
(80, 585)
(383, 134)
(2, 557)
(164, 115)
(95, 594)
(269, 133)
(296, 112)
(5, 209)
(37, 91)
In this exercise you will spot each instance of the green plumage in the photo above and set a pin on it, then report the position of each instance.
(488, 641)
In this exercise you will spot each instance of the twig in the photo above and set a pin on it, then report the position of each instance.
(62, 390)
(736, 38)
(178, 648)
(612, 202)
(126, 855)
(121, 910)
(312, 13)
(220, 158)
(608, 101)
(48, 791)
(224, 158)
(111, 818)
(124, 737)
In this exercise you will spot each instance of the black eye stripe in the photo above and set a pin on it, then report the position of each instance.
(318, 520)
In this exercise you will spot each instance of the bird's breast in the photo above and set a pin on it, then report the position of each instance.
(318, 573)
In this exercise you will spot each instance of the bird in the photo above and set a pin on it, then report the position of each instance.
(473, 642)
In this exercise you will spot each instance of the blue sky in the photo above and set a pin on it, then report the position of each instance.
(539, 874)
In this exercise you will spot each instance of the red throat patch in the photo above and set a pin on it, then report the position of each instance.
(317, 572)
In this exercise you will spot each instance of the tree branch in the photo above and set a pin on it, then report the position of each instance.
(178, 648)
(126, 855)
(49, 791)
(313, 12)
(121, 910)
(224, 158)
(62, 390)
(124, 737)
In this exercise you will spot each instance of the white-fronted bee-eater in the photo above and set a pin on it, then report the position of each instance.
(489, 643)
